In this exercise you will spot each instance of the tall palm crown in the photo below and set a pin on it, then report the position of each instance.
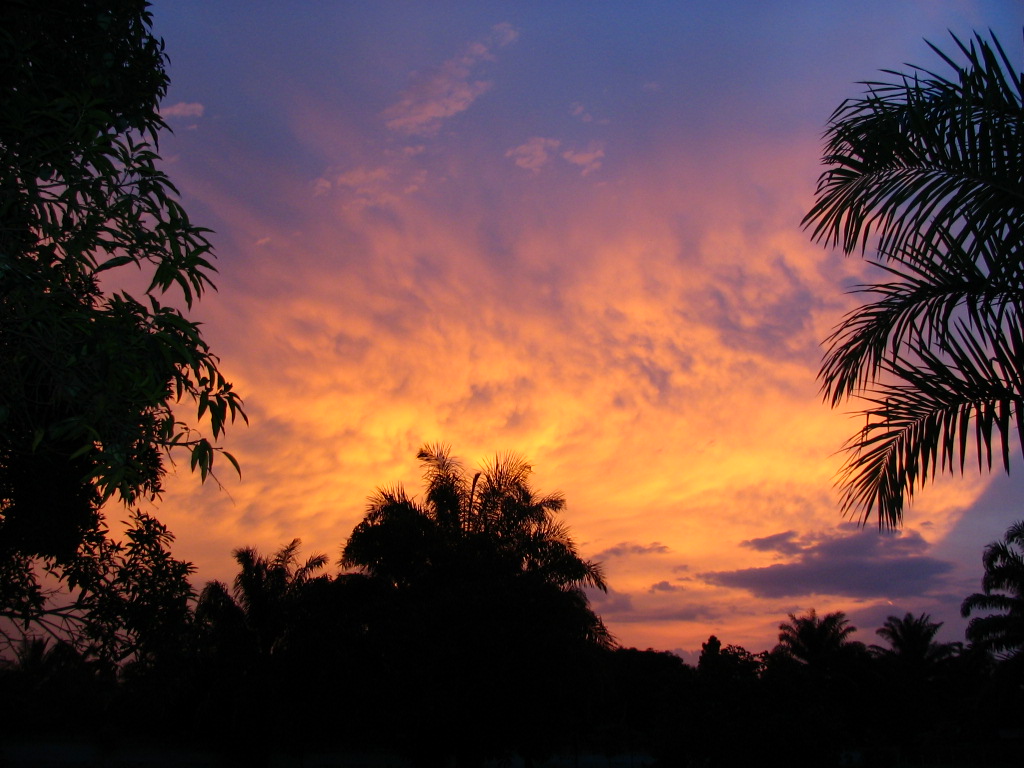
(490, 527)
(264, 594)
(815, 640)
(496, 508)
(929, 170)
(912, 639)
(1002, 591)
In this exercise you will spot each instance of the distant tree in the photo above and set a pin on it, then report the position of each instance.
(265, 598)
(817, 641)
(732, 662)
(728, 701)
(493, 523)
(1003, 592)
(929, 169)
(911, 641)
(93, 379)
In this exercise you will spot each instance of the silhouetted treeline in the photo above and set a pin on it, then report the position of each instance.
(350, 663)
(462, 633)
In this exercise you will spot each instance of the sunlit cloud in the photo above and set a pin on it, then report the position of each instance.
(450, 89)
(629, 548)
(534, 154)
(183, 109)
(664, 586)
(588, 159)
(643, 324)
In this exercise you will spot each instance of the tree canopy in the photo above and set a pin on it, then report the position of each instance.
(96, 383)
(93, 380)
(1002, 592)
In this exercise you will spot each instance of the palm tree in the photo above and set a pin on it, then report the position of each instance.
(493, 523)
(1002, 591)
(816, 641)
(928, 169)
(264, 597)
(485, 611)
(912, 641)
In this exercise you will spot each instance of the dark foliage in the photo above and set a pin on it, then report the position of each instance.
(928, 169)
(92, 381)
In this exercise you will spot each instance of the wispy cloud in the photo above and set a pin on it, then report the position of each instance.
(628, 548)
(450, 89)
(588, 159)
(647, 336)
(534, 154)
(183, 109)
(664, 586)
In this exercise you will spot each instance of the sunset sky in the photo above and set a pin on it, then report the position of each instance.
(569, 230)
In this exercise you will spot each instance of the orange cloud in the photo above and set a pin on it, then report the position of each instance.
(447, 91)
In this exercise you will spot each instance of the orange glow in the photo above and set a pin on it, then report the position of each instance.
(640, 318)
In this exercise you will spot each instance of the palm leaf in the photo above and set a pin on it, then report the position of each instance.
(922, 422)
(923, 152)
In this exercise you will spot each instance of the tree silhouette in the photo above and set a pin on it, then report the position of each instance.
(1002, 591)
(93, 382)
(265, 597)
(928, 168)
(123, 601)
(493, 524)
(816, 641)
(912, 641)
(487, 610)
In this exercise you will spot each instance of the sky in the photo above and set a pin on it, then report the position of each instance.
(569, 230)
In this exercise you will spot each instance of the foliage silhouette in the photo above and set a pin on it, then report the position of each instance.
(928, 168)
(364, 666)
(93, 380)
(911, 641)
(487, 608)
(816, 641)
(1002, 591)
(493, 525)
(124, 601)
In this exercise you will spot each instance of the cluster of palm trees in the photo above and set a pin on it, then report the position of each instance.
(482, 646)
(452, 613)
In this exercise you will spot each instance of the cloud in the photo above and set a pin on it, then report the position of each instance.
(664, 586)
(619, 608)
(858, 563)
(183, 109)
(504, 34)
(578, 110)
(610, 603)
(449, 90)
(374, 185)
(533, 154)
(628, 548)
(588, 159)
(785, 543)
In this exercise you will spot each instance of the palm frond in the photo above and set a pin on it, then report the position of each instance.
(929, 169)
(961, 276)
(922, 420)
(922, 152)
